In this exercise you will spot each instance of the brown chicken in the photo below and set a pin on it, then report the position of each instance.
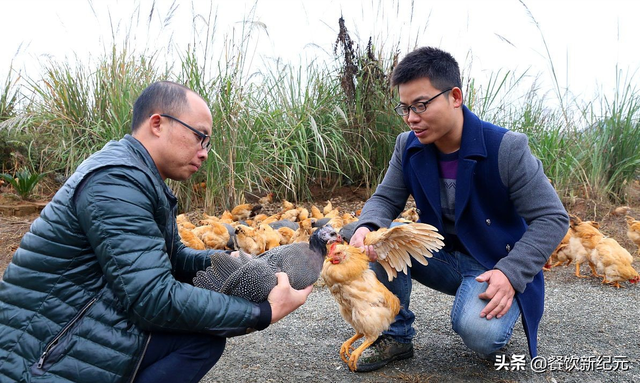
(291, 214)
(583, 241)
(561, 255)
(190, 239)
(286, 205)
(226, 217)
(286, 235)
(271, 236)
(633, 231)
(347, 218)
(411, 214)
(249, 240)
(315, 212)
(245, 211)
(565, 252)
(365, 303)
(613, 262)
(214, 235)
(266, 199)
(327, 208)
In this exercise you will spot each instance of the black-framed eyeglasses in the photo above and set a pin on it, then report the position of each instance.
(417, 107)
(205, 140)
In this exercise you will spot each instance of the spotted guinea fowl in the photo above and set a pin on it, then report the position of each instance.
(253, 278)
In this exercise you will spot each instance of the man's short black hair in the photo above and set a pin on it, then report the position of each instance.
(437, 65)
(160, 97)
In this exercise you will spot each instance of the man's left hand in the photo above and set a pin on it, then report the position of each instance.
(499, 293)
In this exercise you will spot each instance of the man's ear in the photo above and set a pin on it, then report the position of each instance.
(155, 126)
(456, 93)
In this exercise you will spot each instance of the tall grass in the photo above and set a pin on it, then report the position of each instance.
(77, 110)
(287, 128)
(611, 158)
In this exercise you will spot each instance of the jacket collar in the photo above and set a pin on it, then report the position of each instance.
(143, 154)
(472, 144)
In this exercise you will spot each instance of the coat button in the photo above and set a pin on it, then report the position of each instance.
(488, 221)
(508, 248)
(418, 211)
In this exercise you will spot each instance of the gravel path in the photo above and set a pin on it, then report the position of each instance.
(583, 319)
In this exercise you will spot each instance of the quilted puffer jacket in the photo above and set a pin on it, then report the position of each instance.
(100, 271)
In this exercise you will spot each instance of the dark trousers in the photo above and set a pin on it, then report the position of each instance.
(179, 358)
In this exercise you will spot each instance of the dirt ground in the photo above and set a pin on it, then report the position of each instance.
(348, 199)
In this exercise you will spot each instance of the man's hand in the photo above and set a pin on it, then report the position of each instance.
(500, 294)
(357, 240)
(284, 299)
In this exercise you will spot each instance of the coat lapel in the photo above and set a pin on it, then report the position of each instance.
(472, 148)
(424, 164)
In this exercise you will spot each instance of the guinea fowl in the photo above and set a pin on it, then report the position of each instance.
(253, 278)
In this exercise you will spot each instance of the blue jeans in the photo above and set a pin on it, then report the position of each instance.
(454, 274)
(179, 358)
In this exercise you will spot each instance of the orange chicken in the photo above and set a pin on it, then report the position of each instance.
(365, 303)
(286, 235)
(245, 211)
(214, 235)
(226, 217)
(190, 239)
(291, 215)
(303, 213)
(410, 214)
(315, 212)
(266, 199)
(562, 254)
(249, 240)
(567, 252)
(327, 208)
(613, 262)
(271, 236)
(286, 205)
(633, 231)
(583, 241)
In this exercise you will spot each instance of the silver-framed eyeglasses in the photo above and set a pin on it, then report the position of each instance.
(205, 139)
(417, 107)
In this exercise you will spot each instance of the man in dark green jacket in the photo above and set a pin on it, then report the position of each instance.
(96, 291)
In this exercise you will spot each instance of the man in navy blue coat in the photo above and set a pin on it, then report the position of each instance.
(479, 184)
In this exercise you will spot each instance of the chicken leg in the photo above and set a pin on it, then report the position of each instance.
(345, 350)
(355, 355)
(578, 271)
(593, 270)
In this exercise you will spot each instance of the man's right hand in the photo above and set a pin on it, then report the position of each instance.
(357, 240)
(284, 299)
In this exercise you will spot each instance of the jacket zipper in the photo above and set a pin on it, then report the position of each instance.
(144, 351)
(66, 328)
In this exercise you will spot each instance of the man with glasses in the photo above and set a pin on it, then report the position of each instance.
(486, 193)
(99, 289)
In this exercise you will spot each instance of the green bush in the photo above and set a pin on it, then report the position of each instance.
(23, 182)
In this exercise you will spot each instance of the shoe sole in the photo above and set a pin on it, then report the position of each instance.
(374, 366)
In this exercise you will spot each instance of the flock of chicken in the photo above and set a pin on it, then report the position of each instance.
(607, 259)
(246, 228)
